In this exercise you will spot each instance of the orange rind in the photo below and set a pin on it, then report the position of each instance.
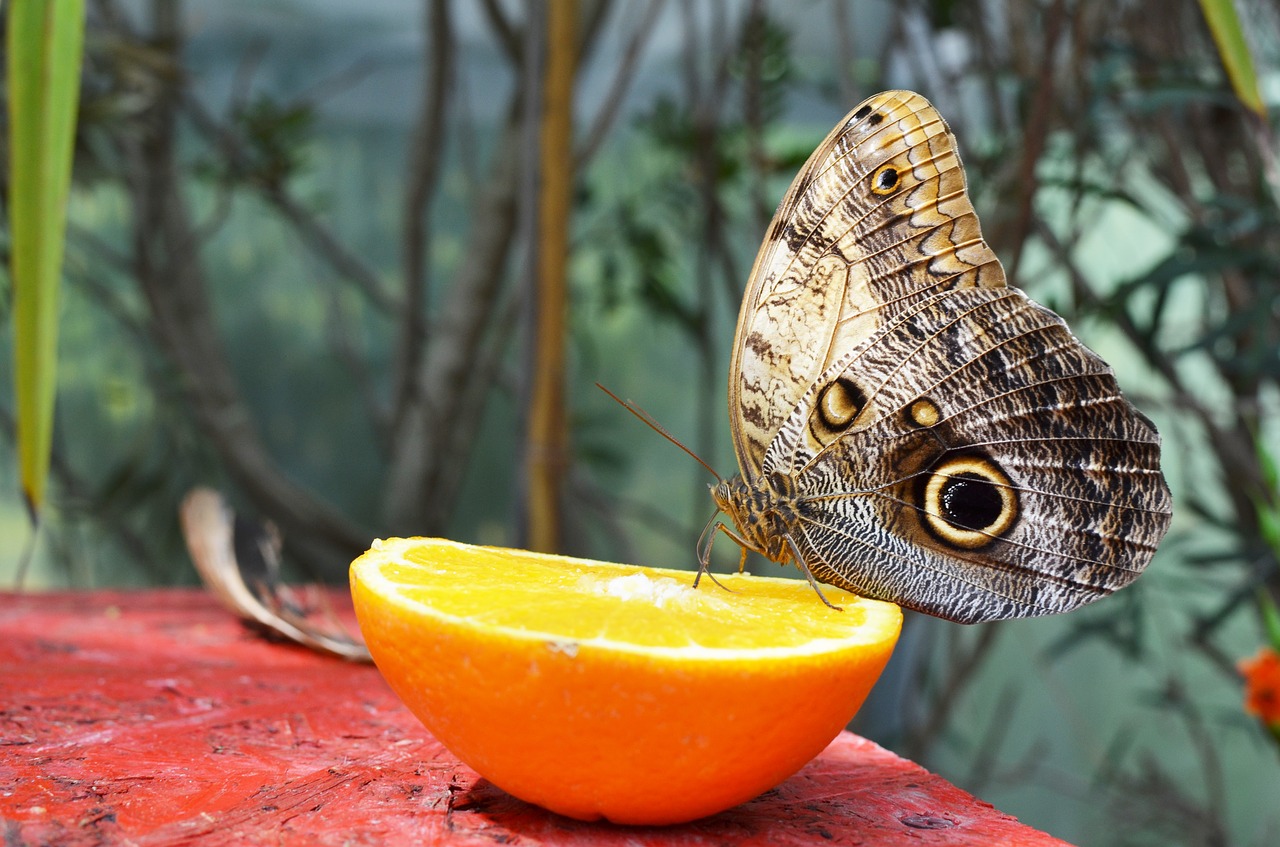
(613, 691)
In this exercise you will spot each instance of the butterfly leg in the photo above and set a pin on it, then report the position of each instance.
(705, 539)
(804, 568)
(704, 551)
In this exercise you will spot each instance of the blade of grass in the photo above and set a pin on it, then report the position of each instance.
(1224, 23)
(1270, 618)
(45, 46)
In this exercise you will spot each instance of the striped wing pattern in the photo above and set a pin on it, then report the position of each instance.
(912, 427)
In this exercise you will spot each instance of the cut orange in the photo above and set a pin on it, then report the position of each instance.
(614, 691)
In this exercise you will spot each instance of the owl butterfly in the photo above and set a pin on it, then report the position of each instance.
(908, 426)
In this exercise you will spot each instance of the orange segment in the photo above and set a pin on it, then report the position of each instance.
(616, 691)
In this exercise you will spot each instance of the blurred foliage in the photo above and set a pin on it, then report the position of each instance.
(274, 144)
(238, 278)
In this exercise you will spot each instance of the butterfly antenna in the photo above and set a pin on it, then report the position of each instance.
(658, 428)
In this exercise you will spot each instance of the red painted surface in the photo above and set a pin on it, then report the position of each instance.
(154, 718)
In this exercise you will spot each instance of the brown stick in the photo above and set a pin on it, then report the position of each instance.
(548, 448)
(426, 151)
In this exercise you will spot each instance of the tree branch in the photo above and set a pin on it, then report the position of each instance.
(168, 269)
(417, 454)
(315, 235)
(1035, 134)
(508, 35)
(624, 73)
(426, 151)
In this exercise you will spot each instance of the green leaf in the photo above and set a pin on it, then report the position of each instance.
(1270, 617)
(1269, 527)
(45, 46)
(1224, 23)
(1267, 464)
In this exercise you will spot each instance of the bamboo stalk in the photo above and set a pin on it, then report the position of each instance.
(548, 428)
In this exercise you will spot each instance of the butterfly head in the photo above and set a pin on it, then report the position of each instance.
(722, 492)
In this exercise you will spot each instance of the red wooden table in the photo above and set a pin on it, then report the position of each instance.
(154, 718)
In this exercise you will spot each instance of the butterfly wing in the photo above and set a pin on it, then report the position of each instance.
(990, 467)
(877, 219)
(950, 445)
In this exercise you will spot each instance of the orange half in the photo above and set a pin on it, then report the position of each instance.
(614, 691)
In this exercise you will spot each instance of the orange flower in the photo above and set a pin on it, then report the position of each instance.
(1262, 686)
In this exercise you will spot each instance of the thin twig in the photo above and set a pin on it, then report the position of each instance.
(1035, 134)
(624, 75)
(960, 674)
(508, 36)
(846, 54)
(425, 153)
(314, 234)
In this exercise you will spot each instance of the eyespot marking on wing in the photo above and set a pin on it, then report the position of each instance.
(968, 501)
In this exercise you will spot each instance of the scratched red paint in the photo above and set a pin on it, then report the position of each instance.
(153, 718)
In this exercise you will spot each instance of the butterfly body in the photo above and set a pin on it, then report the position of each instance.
(908, 426)
(765, 511)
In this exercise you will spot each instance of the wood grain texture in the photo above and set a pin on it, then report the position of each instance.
(154, 719)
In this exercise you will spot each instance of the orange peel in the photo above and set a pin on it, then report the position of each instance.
(613, 691)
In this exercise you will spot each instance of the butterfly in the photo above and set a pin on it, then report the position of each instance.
(907, 425)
